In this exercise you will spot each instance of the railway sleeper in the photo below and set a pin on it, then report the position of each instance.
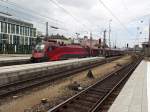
(96, 92)
(85, 102)
(90, 98)
(78, 107)
(71, 109)
(104, 85)
(92, 94)
(99, 90)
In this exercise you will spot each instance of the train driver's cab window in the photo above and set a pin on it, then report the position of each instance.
(39, 47)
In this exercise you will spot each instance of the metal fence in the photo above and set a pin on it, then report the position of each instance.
(15, 49)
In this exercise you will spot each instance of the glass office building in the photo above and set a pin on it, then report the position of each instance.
(15, 33)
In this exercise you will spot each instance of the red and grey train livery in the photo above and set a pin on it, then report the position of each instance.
(52, 51)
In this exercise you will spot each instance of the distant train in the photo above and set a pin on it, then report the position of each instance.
(53, 51)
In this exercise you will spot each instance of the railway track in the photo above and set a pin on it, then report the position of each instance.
(13, 88)
(99, 97)
(14, 62)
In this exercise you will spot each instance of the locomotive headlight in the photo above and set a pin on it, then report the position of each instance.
(39, 47)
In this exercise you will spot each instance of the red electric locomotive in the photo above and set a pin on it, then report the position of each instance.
(53, 51)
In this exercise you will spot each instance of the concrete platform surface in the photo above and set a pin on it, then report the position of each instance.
(52, 64)
(135, 95)
(2, 59)
(15, 55)
(9, 74)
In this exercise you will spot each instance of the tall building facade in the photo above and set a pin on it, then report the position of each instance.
(16, 36)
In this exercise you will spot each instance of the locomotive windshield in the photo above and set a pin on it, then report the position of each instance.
(39, 47)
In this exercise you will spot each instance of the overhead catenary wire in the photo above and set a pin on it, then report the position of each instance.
(37, 14)
(28, 19)
(31, 11)
(39, 21)
(13, 10)
(109, 10)
(55, 2)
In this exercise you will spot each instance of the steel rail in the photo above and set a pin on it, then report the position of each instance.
(12, 88)
(98, 107)
(90, 99)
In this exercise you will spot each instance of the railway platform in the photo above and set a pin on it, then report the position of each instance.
(10, 74)
(2, 59)
(135, 95)
(15, 55)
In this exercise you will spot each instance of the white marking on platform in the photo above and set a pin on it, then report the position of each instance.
(148, 85)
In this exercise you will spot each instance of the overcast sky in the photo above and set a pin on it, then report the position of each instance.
(84, 16)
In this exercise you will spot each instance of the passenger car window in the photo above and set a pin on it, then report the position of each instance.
(50, 49)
